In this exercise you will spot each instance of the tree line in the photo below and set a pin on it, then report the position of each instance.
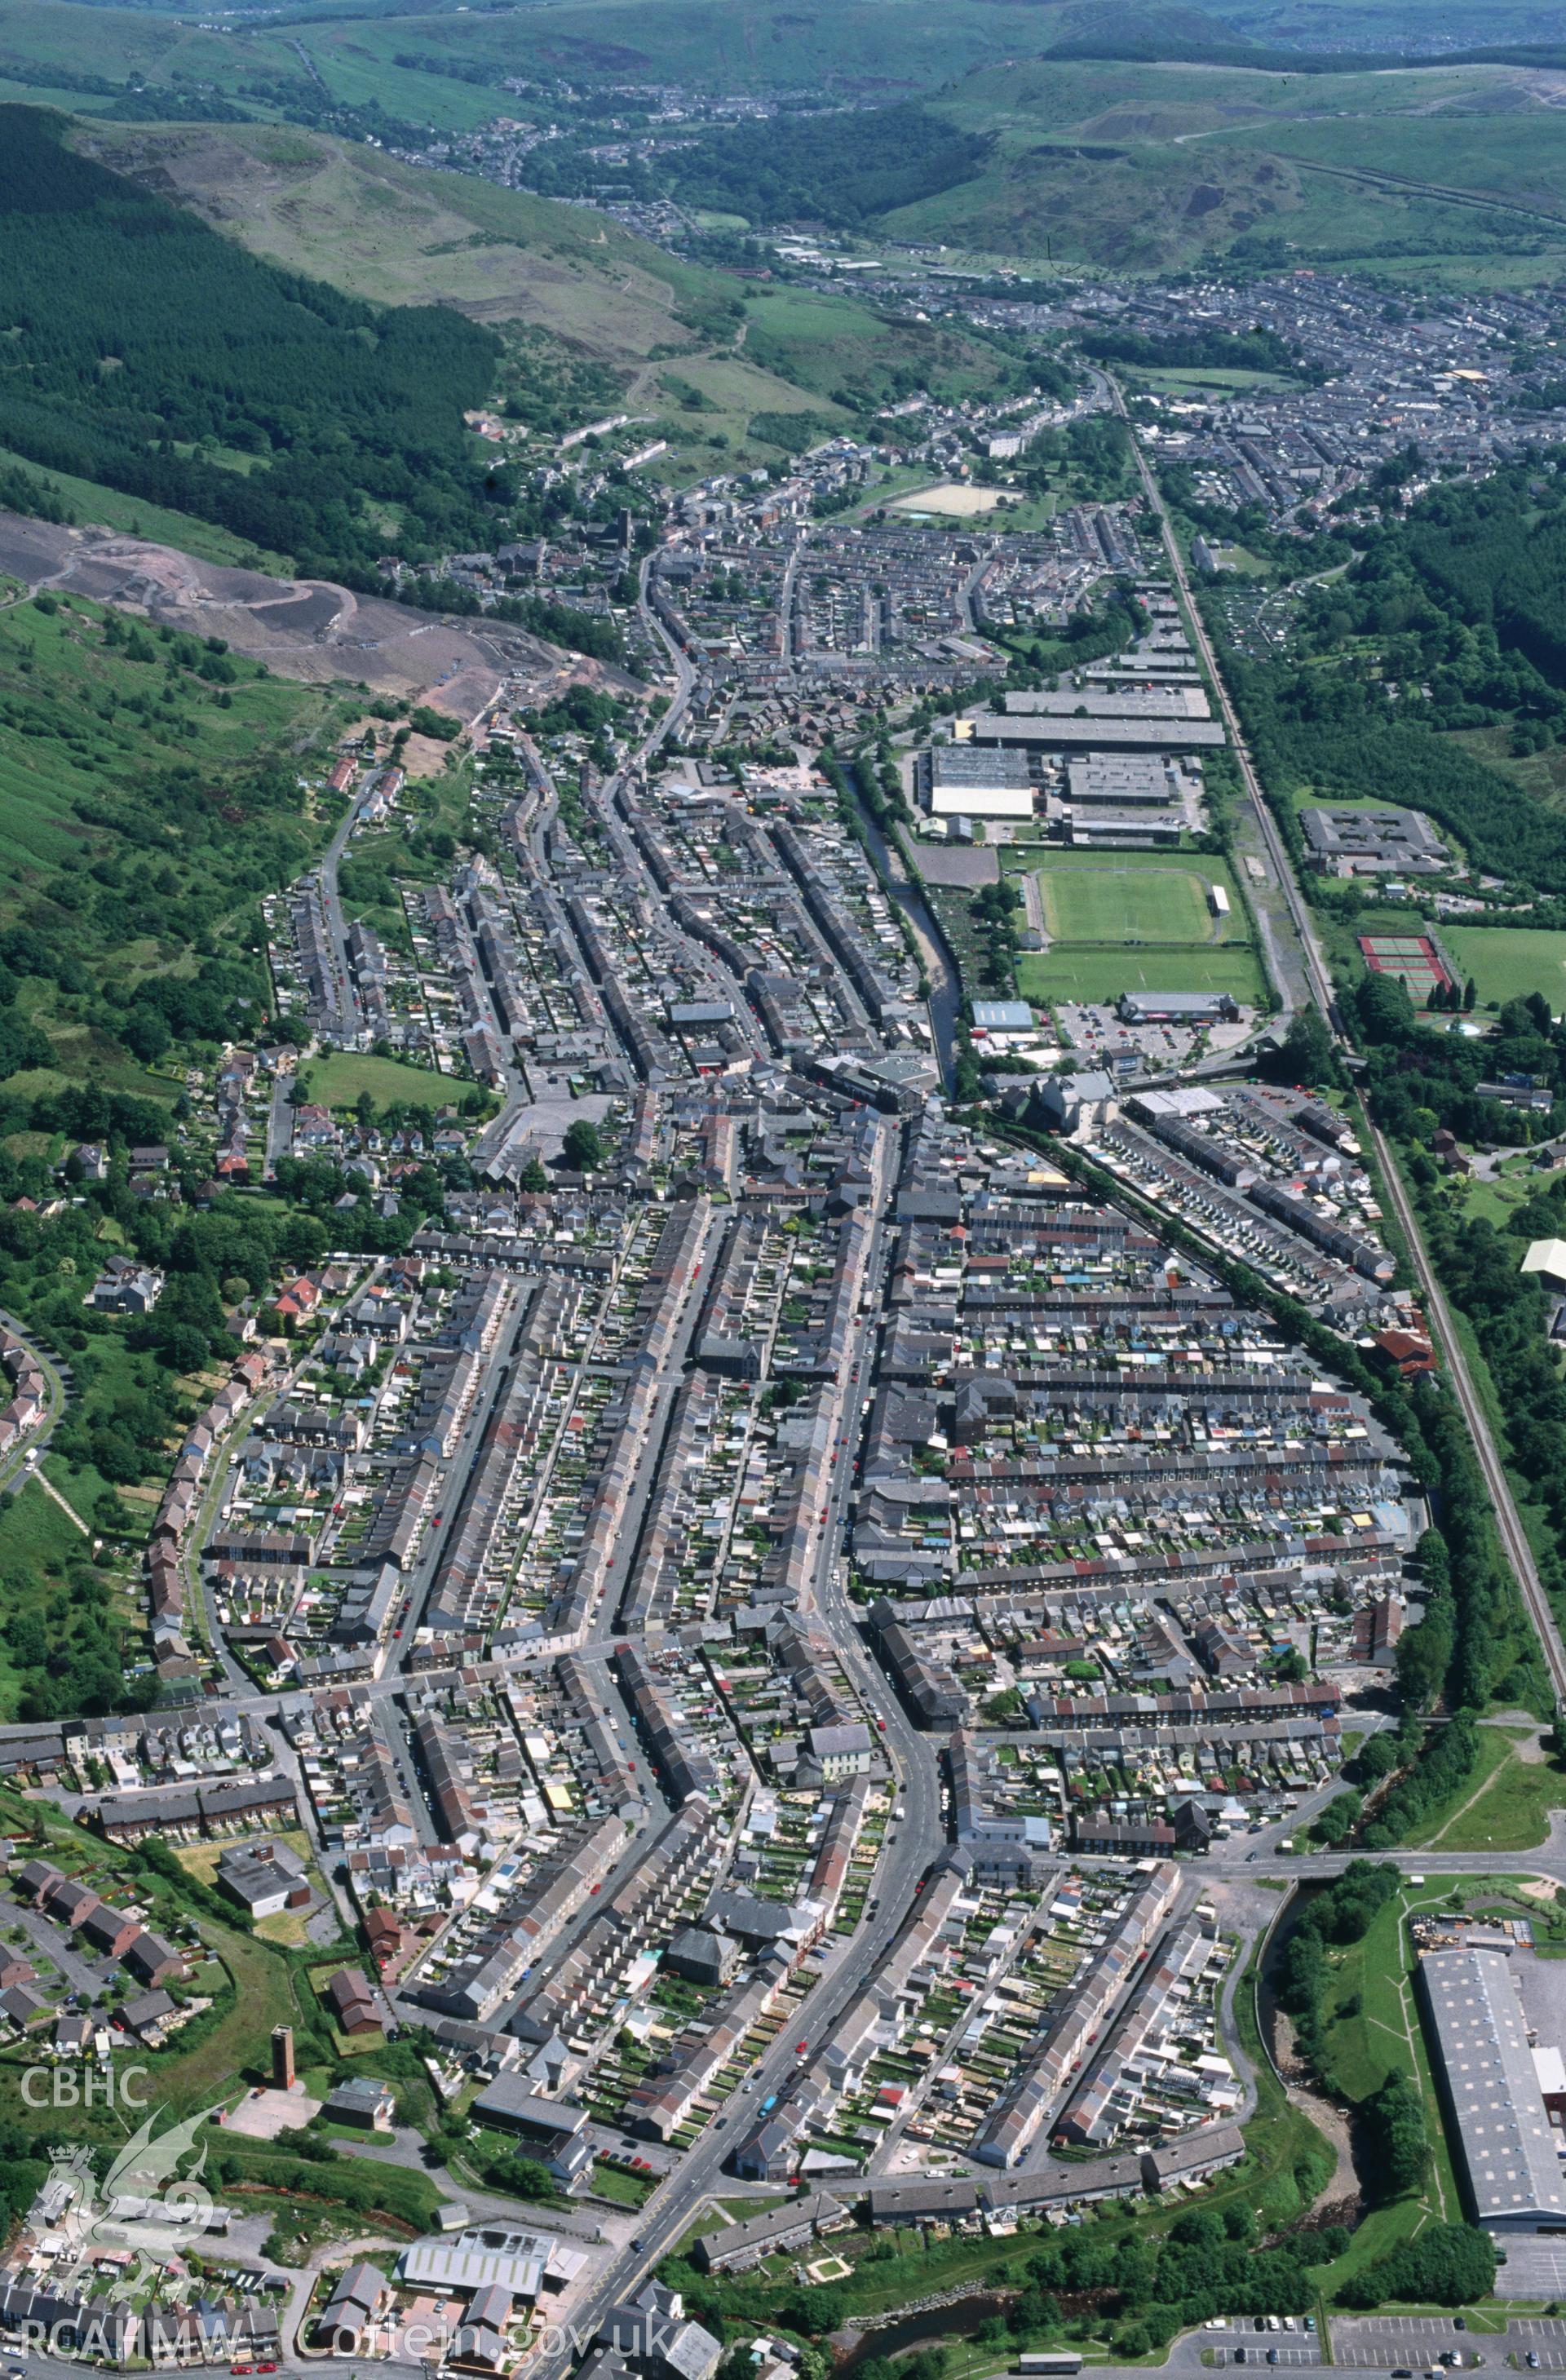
(1258, 349)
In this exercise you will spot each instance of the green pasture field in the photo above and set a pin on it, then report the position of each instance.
(823, 343)
(15, 93)
(357, 76)
(1509, 961)
(343, 1077)
(736, 390)
(40, 36)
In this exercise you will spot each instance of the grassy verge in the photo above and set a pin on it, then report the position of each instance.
(1495, 1750)
(1513, 1812)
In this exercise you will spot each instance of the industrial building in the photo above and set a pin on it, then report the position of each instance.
(1499, 2129)
(962, 778)
(1121, 781)
(1164, 702)
(1021, 733)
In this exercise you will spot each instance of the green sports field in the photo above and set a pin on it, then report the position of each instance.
(1076, 973)
(1509, 961)
(1135, 921)
(1136, 897)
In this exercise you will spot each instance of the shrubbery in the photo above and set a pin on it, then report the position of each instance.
(1449, 2263)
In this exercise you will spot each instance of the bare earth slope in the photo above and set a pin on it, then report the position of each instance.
(303, 628)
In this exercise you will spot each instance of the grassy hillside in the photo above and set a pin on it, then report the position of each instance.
(826, 344)
(48, 45)
(348, 215)
(146, 352)
(1151, 166)
(1380, 24)
(446, 69)
(85, 502)
(883, 48)
(349, 61)
(865, 49)
(390, 233)
(1103, 159)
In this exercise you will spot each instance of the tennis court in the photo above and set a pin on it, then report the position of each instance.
(1412, 956)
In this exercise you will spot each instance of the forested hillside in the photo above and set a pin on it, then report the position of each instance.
(147, 352)
(835, 169)
(1495, 555)
(1453, 620)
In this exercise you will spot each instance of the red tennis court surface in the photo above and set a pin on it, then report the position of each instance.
(1409, 956)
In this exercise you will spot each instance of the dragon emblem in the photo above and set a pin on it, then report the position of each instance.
(150, 2206)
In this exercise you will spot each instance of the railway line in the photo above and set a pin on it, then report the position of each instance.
(1513, 1535)
(1509, 1521)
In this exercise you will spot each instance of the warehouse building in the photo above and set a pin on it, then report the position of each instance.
(1123, 781)
(1021, 733)
(1499, 2129)
(962, 780)
(1387, 842)
(1131, 702)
